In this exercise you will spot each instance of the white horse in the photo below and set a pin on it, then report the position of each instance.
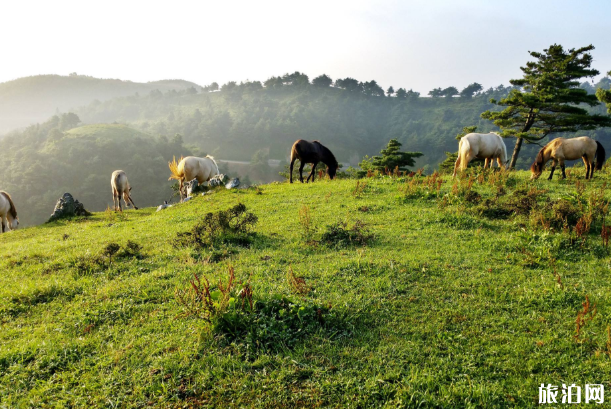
(120, 187)
(191, 167)
(8, 213)
(488, 146)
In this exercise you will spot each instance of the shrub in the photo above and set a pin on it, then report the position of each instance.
(339, 235)
(226, 226)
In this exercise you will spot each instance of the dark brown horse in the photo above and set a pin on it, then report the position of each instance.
(312, 152)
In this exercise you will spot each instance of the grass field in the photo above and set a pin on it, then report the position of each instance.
(467, 296)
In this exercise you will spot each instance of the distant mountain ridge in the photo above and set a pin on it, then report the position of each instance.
(29, 100)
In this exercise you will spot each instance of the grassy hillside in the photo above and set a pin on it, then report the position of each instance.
(28, 100)
(466, 296)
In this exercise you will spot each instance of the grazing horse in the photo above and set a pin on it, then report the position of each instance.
(120, 187)
(561, 149)
(191, 167)
(8, 213)
(488, 146)
(312, 152)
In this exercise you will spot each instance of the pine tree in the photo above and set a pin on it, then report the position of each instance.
(548, 98)
(391, 157)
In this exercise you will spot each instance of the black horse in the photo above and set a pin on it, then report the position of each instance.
(312, 152)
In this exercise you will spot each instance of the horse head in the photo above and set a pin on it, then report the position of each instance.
(536, 169)
(14, 224)
(332, 170)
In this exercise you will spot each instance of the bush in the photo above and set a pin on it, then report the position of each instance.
(226, 226)
(339, 235)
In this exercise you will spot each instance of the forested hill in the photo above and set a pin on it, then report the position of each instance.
(352, 118)
(28, 100)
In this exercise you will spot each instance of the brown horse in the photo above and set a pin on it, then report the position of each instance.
(312, 152)
(561, 149)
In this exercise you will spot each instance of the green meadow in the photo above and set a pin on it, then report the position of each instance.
(387, 291)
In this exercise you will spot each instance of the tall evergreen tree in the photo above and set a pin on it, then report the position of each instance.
(548, 98)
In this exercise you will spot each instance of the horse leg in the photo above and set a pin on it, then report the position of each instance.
(132, 201)
(301, 165)
(115, 199)
(562, 167)
(2, 222)
(456, 165)
(553, 169)
(588, 166)
(487, 163)
(291, 170)
(312, 173)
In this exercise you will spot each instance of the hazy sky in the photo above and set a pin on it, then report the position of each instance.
(411, 44)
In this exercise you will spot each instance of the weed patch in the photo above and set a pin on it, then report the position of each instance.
(230, 226)
(340, 235)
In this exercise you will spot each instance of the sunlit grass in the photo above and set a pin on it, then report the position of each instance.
(444, 307)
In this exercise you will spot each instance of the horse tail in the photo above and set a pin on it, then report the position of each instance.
(116, 175)
(296, 151)
(600, 156)
(464, 148)
(503, 151)
(176, 173)
(12, 209)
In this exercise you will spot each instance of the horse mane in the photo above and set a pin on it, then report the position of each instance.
(215, 164)
(496, 133)
(539, 159)
(329, 154)
(12, 210)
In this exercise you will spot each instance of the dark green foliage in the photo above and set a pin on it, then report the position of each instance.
(131, 249)
(110, 250)
(604, 95)
(226, 226)
(340, 235)
(322, 81)
(391, 158)
(548, 98)
(449, 92)
(470, 90)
